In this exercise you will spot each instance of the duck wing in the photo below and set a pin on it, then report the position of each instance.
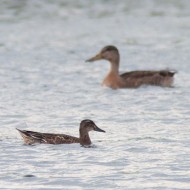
(31, 137)
(158, 78)
(141, 74)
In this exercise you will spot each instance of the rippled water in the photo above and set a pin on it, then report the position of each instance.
(46, 86)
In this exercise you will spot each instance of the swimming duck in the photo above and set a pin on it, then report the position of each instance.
(86, 126)
(131, 79)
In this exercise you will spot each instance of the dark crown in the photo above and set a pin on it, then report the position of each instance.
(109, 48)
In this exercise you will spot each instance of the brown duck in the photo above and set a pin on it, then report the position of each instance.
(86, 126)
(133, 79)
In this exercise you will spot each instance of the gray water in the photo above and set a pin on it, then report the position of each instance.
(46, 86)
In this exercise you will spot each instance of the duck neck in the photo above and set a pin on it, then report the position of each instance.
(114, 68)
(114, 61)
(84, 138)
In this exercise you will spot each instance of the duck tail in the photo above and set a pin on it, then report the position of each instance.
(29, 137)
(169, 73)
(22, 132)
(172, 73)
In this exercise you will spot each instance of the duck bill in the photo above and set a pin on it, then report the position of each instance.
(98, 129)
(95, 58)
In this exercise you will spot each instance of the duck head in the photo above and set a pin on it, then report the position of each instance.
(85, 127)
(109, 53)
(88, 125)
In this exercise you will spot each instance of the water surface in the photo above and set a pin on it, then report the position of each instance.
(46, 86)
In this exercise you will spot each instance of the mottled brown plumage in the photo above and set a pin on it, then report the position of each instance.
(131, 79)
(86, 126)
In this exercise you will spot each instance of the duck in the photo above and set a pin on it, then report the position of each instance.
(31, 137)
(132, 79)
